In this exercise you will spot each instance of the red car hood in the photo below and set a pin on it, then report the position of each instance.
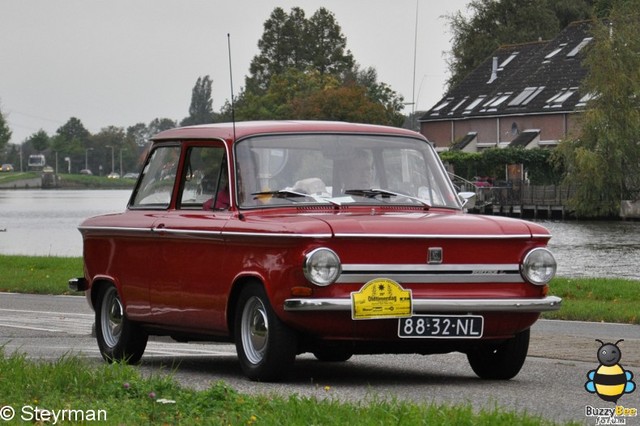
(397, 224)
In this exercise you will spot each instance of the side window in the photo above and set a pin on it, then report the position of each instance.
(205, 181)
(158, 178)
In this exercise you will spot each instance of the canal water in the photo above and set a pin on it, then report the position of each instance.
(44, 223)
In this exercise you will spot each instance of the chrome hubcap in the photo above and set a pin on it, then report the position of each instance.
(111, 318)
(254, 330)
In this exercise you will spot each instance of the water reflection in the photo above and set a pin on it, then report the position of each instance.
(596, 248)
(44, 223)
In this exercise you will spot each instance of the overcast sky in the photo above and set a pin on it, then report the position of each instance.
(121, 62)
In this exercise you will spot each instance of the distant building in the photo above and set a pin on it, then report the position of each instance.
(524, 95)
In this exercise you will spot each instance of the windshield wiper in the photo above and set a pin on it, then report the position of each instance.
(375, 192)
(289, 193)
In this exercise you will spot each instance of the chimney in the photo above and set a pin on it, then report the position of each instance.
(494, 70)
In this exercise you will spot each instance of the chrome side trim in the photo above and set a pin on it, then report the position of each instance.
(431, 278)
(197, 232)
(274, 234)
(191, 232)
(322, 235)
(433, 273)
(114, 228)
(422, 306)
(438, 236)
(479, 267)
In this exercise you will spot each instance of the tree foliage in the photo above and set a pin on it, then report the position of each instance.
(39, 141)
(491, 162)
(305, 71)
(492, 23)
(5, 132)
(292, 41)
(201, 107)
(603, 162)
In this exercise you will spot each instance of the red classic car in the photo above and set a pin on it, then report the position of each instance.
(330, 238)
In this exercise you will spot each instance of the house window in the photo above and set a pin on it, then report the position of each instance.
(579, 47)
(437, 109)
(555, 52)
(559, 98)
(506, 61)
(586, 98)
(494, 102)
(526, 96)
(474, 104)
(458, 105)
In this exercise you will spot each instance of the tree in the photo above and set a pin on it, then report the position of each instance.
(201, 108)
(603, 161)
(302, 70)
(292, 41)
(327, 46)
(5, 132)
(39, 141)
(71, 140)
(140, 133)
(494, 23)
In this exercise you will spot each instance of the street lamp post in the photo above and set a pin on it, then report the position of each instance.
(86, 158)
(121, 171)
(112, 158)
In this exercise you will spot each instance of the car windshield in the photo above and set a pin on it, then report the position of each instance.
(341, 169)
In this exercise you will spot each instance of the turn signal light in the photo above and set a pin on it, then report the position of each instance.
(301, 291)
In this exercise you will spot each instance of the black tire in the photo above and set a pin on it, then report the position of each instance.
(118, 338)
(332, 354)
(500, 361)
(266, 347)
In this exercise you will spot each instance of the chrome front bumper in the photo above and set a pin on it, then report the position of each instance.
(423, 306)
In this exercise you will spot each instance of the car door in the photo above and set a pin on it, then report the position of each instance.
(190, 245)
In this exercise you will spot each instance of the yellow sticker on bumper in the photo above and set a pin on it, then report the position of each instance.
(381, 298)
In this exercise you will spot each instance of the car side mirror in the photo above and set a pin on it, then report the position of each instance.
(468, 199)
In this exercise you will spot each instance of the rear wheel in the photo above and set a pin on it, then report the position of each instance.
(266, 347)
(119, 339)
(500, 361)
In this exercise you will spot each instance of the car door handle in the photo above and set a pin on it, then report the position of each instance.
(160, 228)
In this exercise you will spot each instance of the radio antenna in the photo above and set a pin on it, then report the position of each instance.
(233, 107)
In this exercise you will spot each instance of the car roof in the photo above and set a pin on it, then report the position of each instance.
(243, 129)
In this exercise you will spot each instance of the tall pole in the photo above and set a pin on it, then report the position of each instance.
(86, 158)
(121, 171)
(113, 161)
(415, 55)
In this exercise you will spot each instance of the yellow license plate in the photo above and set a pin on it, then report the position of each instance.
(381, 298)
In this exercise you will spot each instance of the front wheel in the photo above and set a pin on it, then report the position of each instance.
(119, 339)
(266, 347)
(500, 361)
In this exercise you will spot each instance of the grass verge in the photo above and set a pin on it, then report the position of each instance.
(38, 274)
(118, 394)
(584, 299)
(597, 300)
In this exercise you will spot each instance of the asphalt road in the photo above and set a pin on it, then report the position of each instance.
(551, 383)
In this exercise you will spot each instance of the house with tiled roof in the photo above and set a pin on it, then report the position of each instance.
(524, 95)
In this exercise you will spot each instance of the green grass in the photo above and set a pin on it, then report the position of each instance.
(73, 181)
(126, 397)
(94, 182)
(9, 177)
(597, 299)
(38, 274)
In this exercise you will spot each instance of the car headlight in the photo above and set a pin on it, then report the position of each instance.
(322, 266)
(538, 266)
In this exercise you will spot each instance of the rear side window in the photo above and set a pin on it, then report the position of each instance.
(205, 184)
(158, 178)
